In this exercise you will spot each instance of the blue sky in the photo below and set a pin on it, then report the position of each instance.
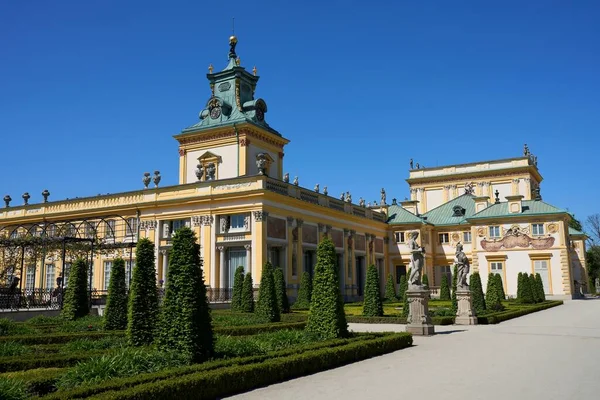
(92, 92)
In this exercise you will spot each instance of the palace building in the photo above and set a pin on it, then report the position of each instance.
(233, 194)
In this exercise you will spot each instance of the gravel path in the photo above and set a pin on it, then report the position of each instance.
(552, 354)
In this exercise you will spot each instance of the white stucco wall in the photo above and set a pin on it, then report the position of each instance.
(227, 168)
(251, 167)
(435, 197)
(505, 189)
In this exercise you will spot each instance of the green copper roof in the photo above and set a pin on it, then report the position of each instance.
(398, 215)
(528, 207)
(575, 232)
(445, 214)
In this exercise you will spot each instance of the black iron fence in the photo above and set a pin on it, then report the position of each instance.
(15, 299)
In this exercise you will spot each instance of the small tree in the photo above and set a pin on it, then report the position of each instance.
(372, 304)
(520, 287)
(115, 314)
(281, 290)
(185, 319)
(402, 294)
(444, 288)
(500, 287)
(425, 282)
(540, 287)
(492, 300)
(76, 303)
(534, 289)
(454, 285)
(304, 292)
(526, 290)
(238, 284)
(248, 294)
(326, 316)
(266, 307)
(142, 313)
(390, 289)
(477, 292)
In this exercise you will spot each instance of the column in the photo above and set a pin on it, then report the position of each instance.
(351, 249)
(222, 273)
(299, 252)
(248, 248)
(207, 256)
(260, 245)
(165, 266)
(289, 254)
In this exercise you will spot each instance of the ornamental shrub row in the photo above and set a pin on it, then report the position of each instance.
(373, 307)
(444, 289)
(238, 284)
(115, 314)
(238, 378)
(36, 382)
(122, 383)
(390, 289)
(477, 292)
(304, 292)
(21, 363)
(496, 318)
(247, 305)
(58, 337)
(76, 304)
(281, 290)
(267, 308)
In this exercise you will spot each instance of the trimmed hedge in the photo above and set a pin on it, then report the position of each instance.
(360, 319)
(402, 293)
(244, 330)
(492, 295)
(238, 378)
(477, 292)
(444, 289)
(540, 288)
(247, 294)
(304, 292)
(373, 306)
(390, 289)
(266, 307)
(58, 337)
(122, 383)
(37, 382)
(76, 302)
(496, 318)
(238, 284)
(115, 314)
(281, 290)
(21, 363)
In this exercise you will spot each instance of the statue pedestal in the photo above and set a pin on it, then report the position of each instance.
(419, 322)
(465, 314)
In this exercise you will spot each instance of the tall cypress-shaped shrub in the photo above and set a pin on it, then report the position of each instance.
(534, 289)
(454, 284)
(527, 292)
(372, 304)
(142, 313)
(304, 292)
(492, 301)
(520, 287)
(403, 289)
(75, 304)
(500, 287)
(444, 288)
(540, 287)
(282, 300)
(390, 289)
(266, 307)
(425, 282)
(477, 292)
(115, 314)
(185, 324)
(238, 284)
(248, 294)
(326, 316)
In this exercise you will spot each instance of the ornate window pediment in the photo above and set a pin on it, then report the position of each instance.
(208, 166)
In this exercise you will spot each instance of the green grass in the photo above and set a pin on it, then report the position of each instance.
(237, 346)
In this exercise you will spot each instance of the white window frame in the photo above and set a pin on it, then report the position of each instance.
(29, 277)
(237, 227)
(110, 227)
(107, 272)
(129, 266)
(495, 231)
(444, 238)
(467, 238)
(537, 229)
(494, 267)
(131, 227)
(400, 237)
(50, 276)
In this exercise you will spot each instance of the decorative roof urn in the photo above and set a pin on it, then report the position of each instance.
(26, 198)
(7, 200)
(146, 179)
(46, 194)
(156, 178)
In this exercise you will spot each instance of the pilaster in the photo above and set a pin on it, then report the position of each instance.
(289, 253)
(182, 166)
(207, 250)
(260, 243)
(299, 251)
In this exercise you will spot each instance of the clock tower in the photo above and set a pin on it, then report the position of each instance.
(232, 137)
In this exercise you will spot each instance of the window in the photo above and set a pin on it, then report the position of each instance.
(50, 276)
(30, 277)
(66, 273)
(14, 234)
(400, 238)
(109, 226)
(439, 272)
(541, 267)
(496, 267)
(10, 274)
(308, 262)
(107, 268)
(237, 222)
(90, 231)
(131, 227)
(400, 270)
(537, 229)
(273, 256)
(494, 231)
(51, 231)
(444, 238)
(129, 266)
(466, 237)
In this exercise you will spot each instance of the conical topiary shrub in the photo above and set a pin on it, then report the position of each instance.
(304, 292)
(500, 287)
(281, 290)
(248, 294)
(266, 306)
(238, 284)
(115, 314)
(142, 313)
(403, 295)
(185, 323)
(540, 287)
(534, 289)
(372, 306)
(390, 290)
(326, 316)
(76, 304)
(477, 292)
(425, 282)
(444, 288)
(520, 287)
(454, 284)
(492, 301)
(526, 291)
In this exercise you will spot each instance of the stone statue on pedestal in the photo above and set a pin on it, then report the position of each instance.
(383, 196)
(463, 267)
(286, 177)
(416, 261)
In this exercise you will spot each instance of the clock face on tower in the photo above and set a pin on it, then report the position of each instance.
(260, 115)
(215, 112)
